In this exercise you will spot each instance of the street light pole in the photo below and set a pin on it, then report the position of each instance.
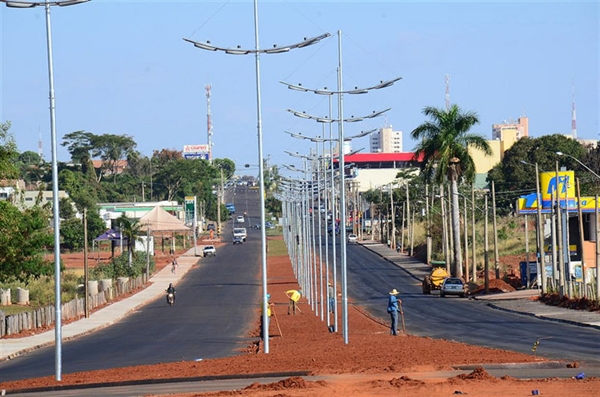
(257, 51)
(55, 201)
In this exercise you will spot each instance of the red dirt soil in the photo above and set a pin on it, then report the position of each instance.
(373, 363)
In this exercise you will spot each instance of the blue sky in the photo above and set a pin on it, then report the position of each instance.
(121, 67)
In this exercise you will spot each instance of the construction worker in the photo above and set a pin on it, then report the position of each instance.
(393, 310)
(294, 298)
(269, 313)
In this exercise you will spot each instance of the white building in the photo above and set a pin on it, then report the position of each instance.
(386, 140)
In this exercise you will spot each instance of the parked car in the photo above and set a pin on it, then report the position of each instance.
(240, 219)
(453, 286)
(238, 240)
(209, 250)
(352, 238)
(269, 225)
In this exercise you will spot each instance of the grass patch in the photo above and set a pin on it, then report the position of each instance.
(14, 309)
(276, 248)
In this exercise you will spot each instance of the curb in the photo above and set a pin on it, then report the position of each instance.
(159, 381)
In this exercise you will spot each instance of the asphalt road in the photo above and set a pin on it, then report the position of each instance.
(216, 307)
(370, 278)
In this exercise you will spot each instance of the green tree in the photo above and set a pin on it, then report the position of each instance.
(515, 175)
(444, 146)
(111, 149)
(130, 229)
(24, 238)
(227, 165)
(8, 153)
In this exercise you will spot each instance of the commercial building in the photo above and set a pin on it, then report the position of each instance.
(386, 140)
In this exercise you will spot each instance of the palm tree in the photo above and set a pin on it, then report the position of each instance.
(444, 148)
(131, 229)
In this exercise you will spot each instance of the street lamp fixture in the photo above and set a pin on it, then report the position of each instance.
(583, 165)
(55, 200)
(257, 51)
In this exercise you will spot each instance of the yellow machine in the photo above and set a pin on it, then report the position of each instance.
(437, 276)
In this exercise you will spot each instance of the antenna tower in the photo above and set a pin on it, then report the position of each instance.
(447, 92)
(573, 116)
(40, 151)
(209, 130)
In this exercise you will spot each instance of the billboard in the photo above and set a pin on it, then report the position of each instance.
(549, 186)
(196, 152)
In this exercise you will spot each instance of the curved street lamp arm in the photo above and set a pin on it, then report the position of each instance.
(274, 50)
(356, 90)
(583, 165)
(304, 115)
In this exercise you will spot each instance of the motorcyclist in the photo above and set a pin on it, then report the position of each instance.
(170, 290)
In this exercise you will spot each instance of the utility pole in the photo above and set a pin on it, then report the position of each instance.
(209, 130)
(85, 265)
(496, 255)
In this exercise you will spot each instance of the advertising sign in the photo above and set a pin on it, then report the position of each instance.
(195, 148)
(549, 186)
(190, 210)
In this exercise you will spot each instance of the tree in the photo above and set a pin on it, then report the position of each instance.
(8, 153)
(226, 165)
(130, 229)
(444, 146)
(24, 238)
(85, 146)
(515, 175)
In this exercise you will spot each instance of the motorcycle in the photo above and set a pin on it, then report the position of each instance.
(170, 298)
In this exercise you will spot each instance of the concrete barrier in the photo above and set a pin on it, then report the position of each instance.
(93, 287)
(22, 296)
(5, 297)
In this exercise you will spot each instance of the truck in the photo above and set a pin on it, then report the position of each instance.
(240, 232)
(230, 207)
(434, 280)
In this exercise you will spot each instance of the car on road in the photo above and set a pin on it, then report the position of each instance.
(211, 226)
(257, 226)
(240, 219)
(209, 250)
(238, 240)
(352, 238)
(453, 286)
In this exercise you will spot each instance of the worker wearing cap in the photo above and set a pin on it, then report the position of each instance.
(294, 298)
(393, 310)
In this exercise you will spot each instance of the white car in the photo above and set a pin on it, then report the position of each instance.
(240, 219)
(209, 250)
(352, 238)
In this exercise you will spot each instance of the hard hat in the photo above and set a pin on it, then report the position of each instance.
(268, 296)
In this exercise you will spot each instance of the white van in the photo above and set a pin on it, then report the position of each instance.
(240, 232)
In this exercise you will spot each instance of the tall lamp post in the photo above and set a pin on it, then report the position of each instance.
(257, 51)
(56, 220)
(340, 121)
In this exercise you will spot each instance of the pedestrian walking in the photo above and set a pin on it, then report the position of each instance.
(393, 310)
(294, 297)
(174, 266)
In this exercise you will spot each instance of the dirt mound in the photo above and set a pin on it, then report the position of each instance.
(295, 382)
(404, 381)
(495, 286)
(570, 303)
(478, 374)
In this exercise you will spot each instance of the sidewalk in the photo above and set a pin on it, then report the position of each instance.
(106, 316)
(517, 302)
